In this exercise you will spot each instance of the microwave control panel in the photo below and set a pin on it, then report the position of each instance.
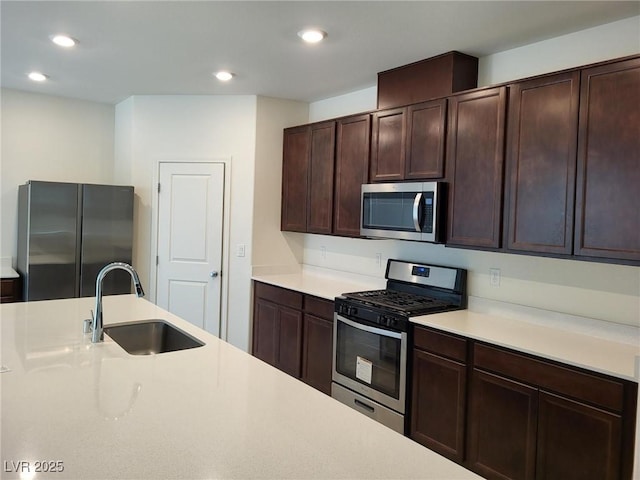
(428, 212)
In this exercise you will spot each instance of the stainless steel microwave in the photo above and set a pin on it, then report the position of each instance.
(406, 211)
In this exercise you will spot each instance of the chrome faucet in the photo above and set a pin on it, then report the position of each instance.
(97, 325)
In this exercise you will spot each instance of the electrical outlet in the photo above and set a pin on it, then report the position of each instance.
(323, 252)
(379, 259)
(494, 277)
(241, 250)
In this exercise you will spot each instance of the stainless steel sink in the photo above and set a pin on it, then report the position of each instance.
(149, 337)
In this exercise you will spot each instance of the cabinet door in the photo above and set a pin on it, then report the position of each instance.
(608, 176)
(542, 131)
(388, 131)
(265, 331)
(426, 125)
(474, 167)
(438, 406)
(502, 427)
(317, 352)
(289, 341)
(576, 441)
(295, 172)
(352, 167)
(322, 161)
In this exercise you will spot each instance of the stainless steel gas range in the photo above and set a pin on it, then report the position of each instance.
(372, 336)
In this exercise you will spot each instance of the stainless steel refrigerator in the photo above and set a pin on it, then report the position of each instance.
(67, 232)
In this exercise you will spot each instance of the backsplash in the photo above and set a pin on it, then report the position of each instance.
(600, 291)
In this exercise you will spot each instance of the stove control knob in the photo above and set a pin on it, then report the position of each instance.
(352, 311)
(381, 319)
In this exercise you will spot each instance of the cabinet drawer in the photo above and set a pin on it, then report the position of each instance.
(604, 392)
(278, 295)
(441, 343)
(318, 307)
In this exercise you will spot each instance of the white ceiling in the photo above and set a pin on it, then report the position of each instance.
(172, 47)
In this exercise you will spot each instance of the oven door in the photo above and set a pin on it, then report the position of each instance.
(371, 361)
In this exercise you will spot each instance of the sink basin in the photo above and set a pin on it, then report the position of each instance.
(149, 337)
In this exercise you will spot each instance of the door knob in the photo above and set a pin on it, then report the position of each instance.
(213, 274)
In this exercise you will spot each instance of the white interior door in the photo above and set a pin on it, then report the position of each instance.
(190, 223)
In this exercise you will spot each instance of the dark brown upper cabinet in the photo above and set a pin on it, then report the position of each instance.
(425, 140)
(427, 79)
(474, 166)
(542, 131)
(388, 130)
(295, 173)
(352, 163)
(307, 178)
(322, 163)
(608, 174)
(408, 143)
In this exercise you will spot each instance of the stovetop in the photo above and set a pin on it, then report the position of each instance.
(412, 289)
(403, 303)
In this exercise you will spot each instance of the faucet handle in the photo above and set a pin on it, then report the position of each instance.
(86, 325)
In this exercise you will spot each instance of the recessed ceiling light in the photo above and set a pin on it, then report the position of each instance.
(312, 35)
(37, 76)
(63, 40)
(224, 76)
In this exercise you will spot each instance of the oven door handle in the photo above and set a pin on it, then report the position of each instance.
(366, 328)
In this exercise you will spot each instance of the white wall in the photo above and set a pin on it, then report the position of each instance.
(616, 39)
(192, 128)
(270, 246)
(245, 129)
(601, 291)
(360, 101)
(53, 139)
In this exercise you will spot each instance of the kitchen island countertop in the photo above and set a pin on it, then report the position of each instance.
(210, 412)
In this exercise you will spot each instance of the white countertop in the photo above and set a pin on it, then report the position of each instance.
(584, 351)
(616, 358)
(8, 272)
(320, 283)
(209, 412)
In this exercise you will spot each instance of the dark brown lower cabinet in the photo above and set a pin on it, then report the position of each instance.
(294, 333)
(265, 331)
(10, 290)
(289, 341)
(532, 418)
(508, 415)
(576, 441)
(277, 327)
(502, 427)
(317, 343)
(438, 406)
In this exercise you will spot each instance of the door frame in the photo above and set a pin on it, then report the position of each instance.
(226, 222)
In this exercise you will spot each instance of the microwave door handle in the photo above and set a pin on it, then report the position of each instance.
(417, 203)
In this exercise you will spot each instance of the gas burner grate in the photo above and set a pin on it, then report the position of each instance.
(408, 303)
